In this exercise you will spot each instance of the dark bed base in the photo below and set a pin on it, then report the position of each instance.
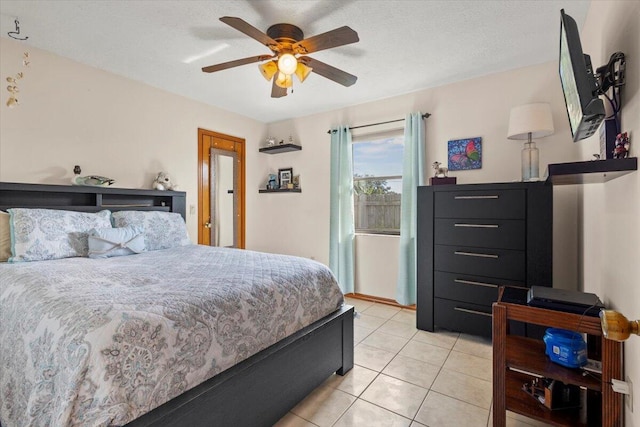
(256, 392)
(262, 389)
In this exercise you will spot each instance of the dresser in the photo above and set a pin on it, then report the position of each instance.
(474, 238)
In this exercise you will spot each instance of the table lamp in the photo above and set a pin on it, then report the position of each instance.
(527, 122)
(616, 327)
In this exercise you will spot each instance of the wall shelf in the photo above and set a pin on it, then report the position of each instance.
(595, 171)
(282, 190)
(281, 148)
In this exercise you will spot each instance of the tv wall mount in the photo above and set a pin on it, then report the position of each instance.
(612, 74)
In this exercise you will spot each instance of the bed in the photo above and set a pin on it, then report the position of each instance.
(256, 377)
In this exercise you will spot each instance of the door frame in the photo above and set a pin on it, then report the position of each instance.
(206, 141)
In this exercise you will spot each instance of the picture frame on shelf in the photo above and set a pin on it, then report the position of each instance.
(285, 177)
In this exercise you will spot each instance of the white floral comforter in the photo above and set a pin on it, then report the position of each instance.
(100, 342)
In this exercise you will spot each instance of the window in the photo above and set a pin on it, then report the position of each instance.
(377, 182)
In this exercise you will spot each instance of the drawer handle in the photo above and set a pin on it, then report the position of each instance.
(477, 225)
(470, 282)
(466, 310)
(476, 254)
(474, 197)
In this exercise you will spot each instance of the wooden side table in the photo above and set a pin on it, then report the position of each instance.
(518, 360)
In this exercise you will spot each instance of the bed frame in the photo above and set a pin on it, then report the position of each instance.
(256, 392)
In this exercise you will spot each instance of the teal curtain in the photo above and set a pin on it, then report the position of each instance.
(412, 177)
(341, 228)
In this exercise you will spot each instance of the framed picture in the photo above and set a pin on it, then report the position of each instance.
(465, 154)
(285, 177)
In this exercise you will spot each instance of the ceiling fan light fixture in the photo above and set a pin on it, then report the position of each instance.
(303, 71)
(284, 80)
(287, 63)
(268, 69)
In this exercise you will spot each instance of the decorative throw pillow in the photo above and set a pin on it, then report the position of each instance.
(43, 234)
(5, 237)
(108, 242)
(162, 230)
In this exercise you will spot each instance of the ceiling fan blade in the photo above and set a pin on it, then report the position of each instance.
(277, 91)
(244, 27)
(236, 63)
(328, 71)
(334, 38)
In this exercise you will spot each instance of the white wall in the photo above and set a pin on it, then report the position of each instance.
(478, 107)
(376, 265)
(610, 212)
(72, 114)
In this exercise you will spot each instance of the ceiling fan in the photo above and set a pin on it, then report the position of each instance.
(289, 47)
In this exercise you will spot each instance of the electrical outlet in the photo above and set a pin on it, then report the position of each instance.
(629, 397)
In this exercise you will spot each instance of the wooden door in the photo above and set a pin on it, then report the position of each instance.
(206, 141)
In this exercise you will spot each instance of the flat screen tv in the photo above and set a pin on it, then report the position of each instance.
(579, 84)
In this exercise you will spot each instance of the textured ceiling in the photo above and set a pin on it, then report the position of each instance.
(404, 45)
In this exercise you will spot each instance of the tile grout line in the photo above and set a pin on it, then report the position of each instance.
(396, 354)
(409, 340)
(434, 379)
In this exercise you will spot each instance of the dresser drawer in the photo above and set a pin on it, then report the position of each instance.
(500, 263)
(462, 316)
(507, 204)
(467, 288)
(486, 233)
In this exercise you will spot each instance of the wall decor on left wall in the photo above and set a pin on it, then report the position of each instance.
(13, 88)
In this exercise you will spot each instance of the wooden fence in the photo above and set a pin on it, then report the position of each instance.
(378, 213)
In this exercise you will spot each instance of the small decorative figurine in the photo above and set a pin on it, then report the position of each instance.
(163, 181)
(272, 183)
(621, 148)
(90, 180)
(441, 171)
(271, 141)
(440, 177)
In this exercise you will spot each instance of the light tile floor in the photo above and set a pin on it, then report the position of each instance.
(405, 377)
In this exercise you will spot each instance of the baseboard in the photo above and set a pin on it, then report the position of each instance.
(380, 300)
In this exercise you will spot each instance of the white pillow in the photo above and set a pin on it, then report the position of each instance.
(162, 230)
(43, 234)
(109, 242)
(5, 237)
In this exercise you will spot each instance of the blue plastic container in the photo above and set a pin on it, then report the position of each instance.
(566, 348)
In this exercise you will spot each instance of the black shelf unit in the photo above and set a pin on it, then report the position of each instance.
(281, 148)
(88, 198)
(282, 190)
(589, 172)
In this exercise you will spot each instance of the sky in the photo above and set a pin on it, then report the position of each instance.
(380, 157)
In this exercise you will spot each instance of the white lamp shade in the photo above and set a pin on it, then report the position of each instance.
(530, 118)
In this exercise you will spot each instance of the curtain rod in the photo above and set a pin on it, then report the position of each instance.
(424, 116)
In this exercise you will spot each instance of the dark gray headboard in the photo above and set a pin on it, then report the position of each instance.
(89, 199)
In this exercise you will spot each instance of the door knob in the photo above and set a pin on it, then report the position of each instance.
(207, 225)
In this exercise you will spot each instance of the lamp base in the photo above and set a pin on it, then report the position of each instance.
(530, 160)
